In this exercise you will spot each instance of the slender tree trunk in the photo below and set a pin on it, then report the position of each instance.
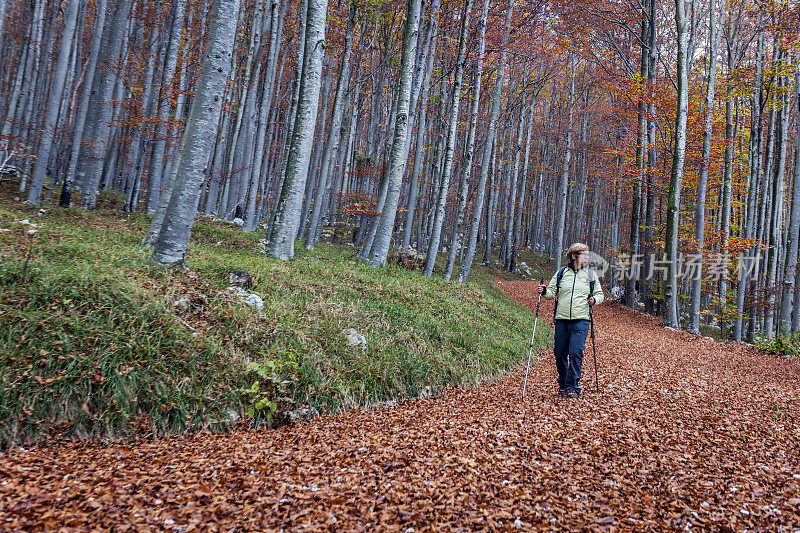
(700, 209)
(164, 104)
(423, 75)
(97, 153)
(480, 191)
(794, 225)
(777, 206)
(752, 190)
(201, 128)
(671, 318)
(287, 218)
(397, 158)
(561, 219)
(79, 120)
(456, 241)
(54, 103)
(455, 103)
(331, 144)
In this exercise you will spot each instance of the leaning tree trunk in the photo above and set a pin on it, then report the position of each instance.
(397, 157)
(53, 103)
(444, 183)
(671, 318)
(287, 217)
(480, 191)
(201, 127)
(332, 142)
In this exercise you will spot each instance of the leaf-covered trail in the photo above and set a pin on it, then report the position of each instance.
(684, 432)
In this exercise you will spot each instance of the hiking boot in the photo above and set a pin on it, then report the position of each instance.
(562, 392)
(571, 393)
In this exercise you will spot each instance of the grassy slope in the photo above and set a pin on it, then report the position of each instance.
(92, 345)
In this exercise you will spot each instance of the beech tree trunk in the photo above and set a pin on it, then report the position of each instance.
(671, 318)
(397, 159)
(287, 218)
(54, 103)
(455, 102)
(201, 127)
(480, 191)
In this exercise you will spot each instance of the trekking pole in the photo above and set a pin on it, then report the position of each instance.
(530, 348)
(594, 353)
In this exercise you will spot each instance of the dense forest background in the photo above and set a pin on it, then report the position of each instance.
(664, 135)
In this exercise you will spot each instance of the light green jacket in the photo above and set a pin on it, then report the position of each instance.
(573, 294)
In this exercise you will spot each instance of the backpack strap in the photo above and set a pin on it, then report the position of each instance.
(558, 285)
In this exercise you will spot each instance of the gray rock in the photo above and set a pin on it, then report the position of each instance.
(254, 301)
(182, 301)
(249, 299)
(238, 221)
(355, 339)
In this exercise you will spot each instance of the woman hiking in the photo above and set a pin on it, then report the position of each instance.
(576, 291)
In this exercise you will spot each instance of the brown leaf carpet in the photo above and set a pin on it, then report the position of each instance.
(684, 434)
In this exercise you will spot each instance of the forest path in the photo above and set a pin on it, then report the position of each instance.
(685, 431)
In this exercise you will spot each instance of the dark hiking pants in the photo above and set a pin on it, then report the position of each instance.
(570, 339)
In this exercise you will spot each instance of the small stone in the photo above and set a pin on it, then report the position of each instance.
(355, 339)
(182, 301)
(254, 301)
(238, 222)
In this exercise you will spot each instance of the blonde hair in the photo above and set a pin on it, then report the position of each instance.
(575, 249)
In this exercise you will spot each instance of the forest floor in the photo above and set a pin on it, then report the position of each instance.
(684, 432)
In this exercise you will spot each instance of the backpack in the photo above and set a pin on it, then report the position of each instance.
(592, 279)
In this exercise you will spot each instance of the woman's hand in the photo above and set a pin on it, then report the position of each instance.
(591, 301)
(541, 289)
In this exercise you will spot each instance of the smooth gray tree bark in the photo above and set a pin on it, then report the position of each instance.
(99, 144)
(164, 103)
(287, 217)
(480, 191)
(397, 158)
(452, 130)
(332, 142)
(54, 103)
(563, 182)
(705, 160)
(777, 204)
(201, 127)
(671, 318)
(82, 109)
